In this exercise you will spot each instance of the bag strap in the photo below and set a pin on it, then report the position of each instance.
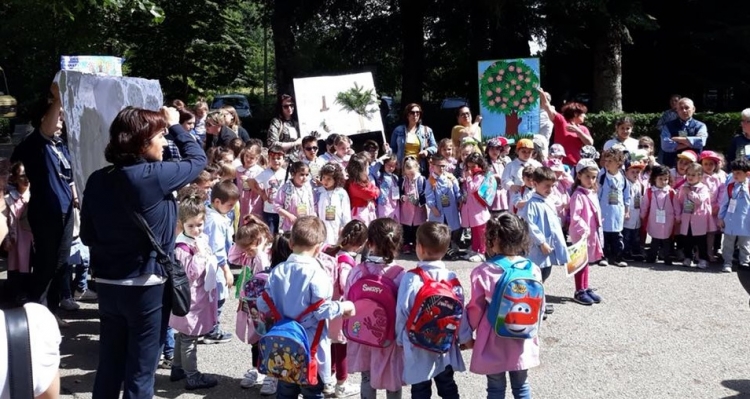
(20, 375)
(730, 188)
(274, 312)
(504, 263)
(136, 217)
(393, 272)
(422, 274)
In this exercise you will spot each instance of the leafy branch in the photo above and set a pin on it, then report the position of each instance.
(357, 100)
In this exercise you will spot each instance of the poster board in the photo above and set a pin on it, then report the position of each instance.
(90, 104)
(579, 257)
(319, 107)
(508, 97)
(93, 64)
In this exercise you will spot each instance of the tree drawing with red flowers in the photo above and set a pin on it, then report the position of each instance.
(509, 88)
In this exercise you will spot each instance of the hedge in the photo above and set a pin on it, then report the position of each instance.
(721, 127)
(4, 126)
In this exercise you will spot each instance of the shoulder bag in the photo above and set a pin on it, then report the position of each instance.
(20, 376)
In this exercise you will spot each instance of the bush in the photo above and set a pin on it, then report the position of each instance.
(721, 127)
(4, 127)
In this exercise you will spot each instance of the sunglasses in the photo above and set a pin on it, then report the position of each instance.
(370, 149)
(415, 112)
(644, 147)
(466, 114)
(311, 148)
(288, 106)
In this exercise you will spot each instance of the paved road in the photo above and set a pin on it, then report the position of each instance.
(661, 332)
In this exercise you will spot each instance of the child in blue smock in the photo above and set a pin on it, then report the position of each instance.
(614, 200)
(442, 194)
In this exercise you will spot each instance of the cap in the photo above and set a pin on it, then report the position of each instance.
(636, 165)
(689, 155)
(497, 142)
(708, 154)
(525, 143)
(555, 164)
(276, 149)
(589, 152)
(556, 150)
(586, 163)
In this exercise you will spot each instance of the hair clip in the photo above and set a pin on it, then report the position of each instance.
(390, 234)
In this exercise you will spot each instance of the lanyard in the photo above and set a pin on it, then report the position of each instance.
(656, 200)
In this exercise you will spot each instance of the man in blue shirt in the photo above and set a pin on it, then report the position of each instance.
(683, 133)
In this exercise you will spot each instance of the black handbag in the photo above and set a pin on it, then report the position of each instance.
(177, 280)
(20, 377)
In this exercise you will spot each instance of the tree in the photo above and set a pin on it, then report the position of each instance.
(412, 30)
(509, 88)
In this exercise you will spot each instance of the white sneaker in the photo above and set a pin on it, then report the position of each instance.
(702, 264)
(476, 258)
(603, 262)
(69, 304)
(727, 268)
(251, 379)
(346, 389)
(329, 389)
(687, 262)
(269, 386)
(86, 295)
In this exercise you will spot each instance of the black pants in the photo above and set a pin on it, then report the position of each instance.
(660, 247)
(410, 234)
(446, 386)
(691, 241)
(53, 235)
(613, 246)
(632, 241)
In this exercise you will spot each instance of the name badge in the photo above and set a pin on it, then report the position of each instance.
(613, 197)
(330, 213)
(301, 210)
(637, 202)
(732, 205)
(688, 207)
(445, 200)
(661, 216)
(682, 133)
(395, 195)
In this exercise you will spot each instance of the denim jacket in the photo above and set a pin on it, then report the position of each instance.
(426, 142)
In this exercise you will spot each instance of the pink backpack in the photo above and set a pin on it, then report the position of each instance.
(374, 298)
(336, 326)
(251, 324)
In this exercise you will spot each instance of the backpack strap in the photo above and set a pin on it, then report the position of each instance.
(730, 189)
(393, 272)
(505, 263)
(184, 247)
(20, 374)
(274, 312)
(422, 274)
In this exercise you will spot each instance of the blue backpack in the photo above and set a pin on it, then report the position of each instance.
(517, 303)
(285, 350)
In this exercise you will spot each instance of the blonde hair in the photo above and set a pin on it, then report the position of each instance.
(235, 126)
(410, 163)
(216, 118)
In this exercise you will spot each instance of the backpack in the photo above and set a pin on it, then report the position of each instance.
(516, 308)
(286, 352)
(436, 314)
(374, 298)
(487, 190)
(730, 189)
(338, 287)
(254, 324)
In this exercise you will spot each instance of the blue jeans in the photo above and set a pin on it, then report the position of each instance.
(446, 386)
(286, 390)
(217, 326)
(82, 275)
(169, 343)
(272, 220)
(519, 385)
(67, 275)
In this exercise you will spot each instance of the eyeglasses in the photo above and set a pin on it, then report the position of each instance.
(465, 114)
(415, 112)
(440, 166)
(644, 147)
(288, 106)
(311, 148)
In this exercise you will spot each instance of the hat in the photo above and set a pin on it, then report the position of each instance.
(556, 150)
(497, 142)
(276, 149)
(525, 143)
(689, 155)
(708, 154)
(555, 164)
(619, 147)
(586, 163)
(636, 164)
(589, 152)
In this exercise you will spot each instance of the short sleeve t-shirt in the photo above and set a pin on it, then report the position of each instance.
(270, 182)
(44, 335)
(569, 140)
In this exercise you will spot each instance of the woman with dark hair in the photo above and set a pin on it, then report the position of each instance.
(413, 138)
(134, 305)
(465, 130)
(569, 129)
(284, 129)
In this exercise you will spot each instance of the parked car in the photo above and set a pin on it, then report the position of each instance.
(238, 101)
(454, 102)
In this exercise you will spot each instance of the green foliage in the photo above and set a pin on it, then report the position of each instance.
(4, 126)
(507, 87)
(358, 100)
(721, 127)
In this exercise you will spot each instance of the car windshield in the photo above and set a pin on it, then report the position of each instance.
(236, 102)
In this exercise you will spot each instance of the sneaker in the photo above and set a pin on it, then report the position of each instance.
(476, 258)
(346, 390)
(329, 389)
(177, 374)
(727, 268)
(69, 304)
(549, 309)
(603, 262)
(269, 386)
(583, 298)
(687, 262)
(201, 381)
(702, 264)
(251, 379)
(166, 362)
(594, 297)
(86, 296)
(219, 337)
(621, 263)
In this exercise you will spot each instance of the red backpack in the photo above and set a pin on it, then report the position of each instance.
(436, 314)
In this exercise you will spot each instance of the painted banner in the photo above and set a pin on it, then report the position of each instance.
(344, 104)
(508, 97)
(579, 257)
(90, 104)
(93, 64)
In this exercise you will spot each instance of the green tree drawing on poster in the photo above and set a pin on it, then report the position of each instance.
(509, 88)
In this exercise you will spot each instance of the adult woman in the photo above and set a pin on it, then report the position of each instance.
(465, 128)
(218, 134)
(569, 129)
(413, 139)
(130, 282)
(284, 130)
(233, 122)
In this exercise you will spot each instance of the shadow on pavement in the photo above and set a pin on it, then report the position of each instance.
(741, 386)
(557, 299)
(228, 387)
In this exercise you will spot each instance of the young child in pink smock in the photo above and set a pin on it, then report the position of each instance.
(657, 214)
(714, 179)
(194, 253)
(19, 240)
(390, 190)
(250, 201)
(295, 197)
(586, 221)
(493, 355)
(692, 212)
(413, 210)
(496, 164)
(474, 214)
(381, 368)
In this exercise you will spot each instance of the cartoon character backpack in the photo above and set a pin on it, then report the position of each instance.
(516, 307)
(487, 190)
(286, 352)
(251, 323)
(374, 298)
(436, 315)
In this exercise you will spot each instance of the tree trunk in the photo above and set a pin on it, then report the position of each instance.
(608, 69)
(412, 29)
(284, 44)
(512, 122)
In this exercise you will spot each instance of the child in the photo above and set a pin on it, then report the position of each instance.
(513, 174)
(442, 196)
(560, 196)
(412, 202)
(733, 215)
(474, 214)
(646, 144)
(497, 165)
(330, 148)
(192, 250)
(390, 192)
(19, 240)
(548, 241)
(362, 192)
(332, 201)
(433, 241)
(353, 238)
(557, 154)
(714, 179)
(657, 214)
(446, 150)
(309, 157)
(678, 173)
(224, 196)
(493, 356)
(342, 153)
(631, 228)
(586, 222)
(623, 130)
(692, 211)
(614, 202)
(267, 185)
(519, 198)
(295, 285)
(295, 197)
(250, 201)
(381, 368)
